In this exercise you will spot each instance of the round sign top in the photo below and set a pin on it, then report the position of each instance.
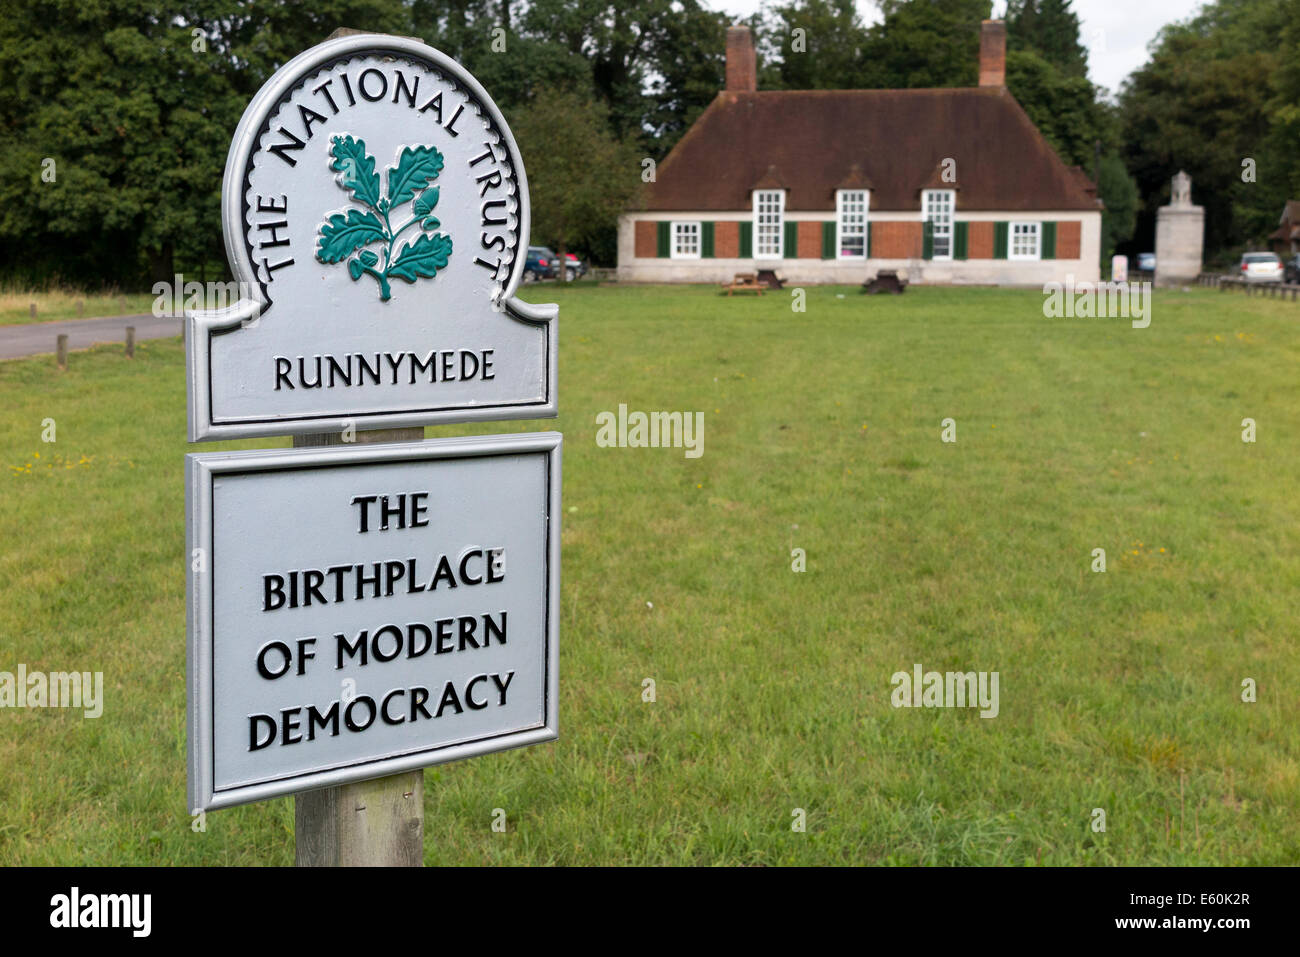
(375, 211)
(377, 161)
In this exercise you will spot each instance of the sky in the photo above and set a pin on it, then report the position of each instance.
(1116, 32)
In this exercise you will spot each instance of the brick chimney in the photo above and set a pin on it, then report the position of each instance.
(993, 53)
(742, 67)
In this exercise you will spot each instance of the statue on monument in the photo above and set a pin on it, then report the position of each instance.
(1180, 235)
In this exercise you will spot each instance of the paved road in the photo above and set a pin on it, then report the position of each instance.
(40, 337)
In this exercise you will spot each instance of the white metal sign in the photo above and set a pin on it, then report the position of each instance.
(359, 611)
(375, 210)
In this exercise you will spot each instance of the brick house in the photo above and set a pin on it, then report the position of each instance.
(946, 185)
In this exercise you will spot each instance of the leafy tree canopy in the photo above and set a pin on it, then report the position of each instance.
(1220, 90)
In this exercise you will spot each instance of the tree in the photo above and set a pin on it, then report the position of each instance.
(580, 176)
(684, 84)
(1065, 109)
(827, 54)
(135, 102)
(925, 43)
(1213, 95)
(1050, 29)
(1120, 194)
(135, 142)
(509, 64)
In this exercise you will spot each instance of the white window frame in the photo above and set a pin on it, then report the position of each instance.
(939, 207)
(843, 197)
(769, 202)
(685, 225)
(1037, 228)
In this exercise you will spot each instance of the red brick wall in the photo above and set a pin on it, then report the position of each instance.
(647, 239)
(895, 240)
(979, 241)
(1069, 240)
(810, 240)
(742, 67)
(726, 240)
(993, 53)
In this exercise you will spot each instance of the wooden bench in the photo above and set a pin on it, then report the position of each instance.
(744, 281)
(769, 278)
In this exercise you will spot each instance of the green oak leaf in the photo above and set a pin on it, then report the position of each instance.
(341, 234)
(424, 257)
(416, 165)
(428, 199)
(356, 169)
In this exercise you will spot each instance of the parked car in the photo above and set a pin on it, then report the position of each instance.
(1146, 262)
(574, 267)
(540, 264)
(1291, 269)
(1261, 267)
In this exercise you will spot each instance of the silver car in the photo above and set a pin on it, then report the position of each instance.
(1261, 267)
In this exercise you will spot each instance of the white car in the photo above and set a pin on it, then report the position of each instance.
(1261, 267)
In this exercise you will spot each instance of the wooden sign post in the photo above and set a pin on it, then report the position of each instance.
(373, 823)
(369, 603)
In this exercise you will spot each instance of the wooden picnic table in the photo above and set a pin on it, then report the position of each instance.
(744, 281)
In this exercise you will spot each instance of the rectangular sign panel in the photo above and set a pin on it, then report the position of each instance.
(359, 611)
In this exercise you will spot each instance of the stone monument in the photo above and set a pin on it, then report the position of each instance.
(1180, 235)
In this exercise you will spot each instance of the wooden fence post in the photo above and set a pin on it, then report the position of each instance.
(62, 350)
(130, 342)
(31, 310)
(375, 823)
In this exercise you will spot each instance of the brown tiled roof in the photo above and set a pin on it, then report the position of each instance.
(937, 179)
(1084, 180)
(772, 179)
(854, 180)
(898, 139)
(1291, 212)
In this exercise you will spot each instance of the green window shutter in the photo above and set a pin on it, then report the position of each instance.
(828, 240)
(871, 234)
(746, 240)
(1000, 240)
(706, 240)
(791, 240)
(927, 240)
(665, 238)
(959, 240)
(1049, 240)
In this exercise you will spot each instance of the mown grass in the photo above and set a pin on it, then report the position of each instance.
(1119, 691)
(61, 303)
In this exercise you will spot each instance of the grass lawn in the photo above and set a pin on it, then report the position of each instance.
(1119, 691)
(15, 305)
